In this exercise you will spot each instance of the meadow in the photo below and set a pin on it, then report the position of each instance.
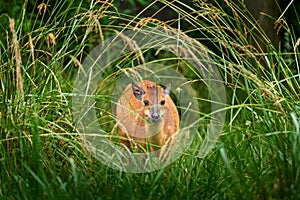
(42, 156)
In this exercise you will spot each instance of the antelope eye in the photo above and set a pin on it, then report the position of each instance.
(163, 102)
(146, 102)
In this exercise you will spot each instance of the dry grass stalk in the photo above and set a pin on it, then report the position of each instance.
(144, 21)
(297, 44)
(17, 57)
(133, 47)
(51, 39)
(31, 47)
(262, 88)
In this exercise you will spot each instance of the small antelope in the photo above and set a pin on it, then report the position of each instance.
(146, 113)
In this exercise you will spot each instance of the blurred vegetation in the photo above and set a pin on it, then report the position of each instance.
(142, 8)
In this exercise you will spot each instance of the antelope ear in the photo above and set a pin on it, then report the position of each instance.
(167, 90)
(137, 91)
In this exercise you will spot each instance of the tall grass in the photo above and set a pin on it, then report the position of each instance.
(42, 156)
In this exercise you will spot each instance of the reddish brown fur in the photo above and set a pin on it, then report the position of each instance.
(133, 116)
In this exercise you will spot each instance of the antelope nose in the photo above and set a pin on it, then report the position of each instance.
(155, 117)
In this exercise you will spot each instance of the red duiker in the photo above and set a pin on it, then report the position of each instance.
(146, 114)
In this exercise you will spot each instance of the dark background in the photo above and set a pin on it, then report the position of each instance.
(264, 11)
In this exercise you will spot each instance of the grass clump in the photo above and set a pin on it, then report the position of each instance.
(42, 47)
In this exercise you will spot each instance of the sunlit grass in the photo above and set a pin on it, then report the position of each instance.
(41, 153)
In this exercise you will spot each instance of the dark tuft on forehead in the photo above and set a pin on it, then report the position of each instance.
(152, 89)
